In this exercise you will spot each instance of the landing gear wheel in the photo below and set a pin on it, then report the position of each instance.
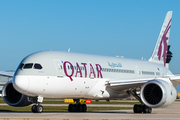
(147, 109)
(37, 108)
(142, 108)
(84, 107)
(137, 109)
(70, 108)
(33, 108)
(74, 108)
(77, 108)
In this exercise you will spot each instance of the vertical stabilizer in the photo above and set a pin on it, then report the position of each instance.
(160, 50)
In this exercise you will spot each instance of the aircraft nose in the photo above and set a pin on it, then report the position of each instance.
(21, 83)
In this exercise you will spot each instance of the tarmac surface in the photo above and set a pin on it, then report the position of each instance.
(171, 112)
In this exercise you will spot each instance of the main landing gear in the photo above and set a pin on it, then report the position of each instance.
(77, 107)
(139, 108)
(142, 108)
(37, 108)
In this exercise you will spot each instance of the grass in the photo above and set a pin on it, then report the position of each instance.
(93, 102)
(61, 101)
(1, 100)
(103, 102)
(55, 108)
(65, 108)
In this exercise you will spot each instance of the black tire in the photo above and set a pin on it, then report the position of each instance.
(150, 110)
(70, 108)
(137, 109)
(147, 109)
(84, 108)
(79, 108)
(39, 108)
(33, 109)
(74, 108)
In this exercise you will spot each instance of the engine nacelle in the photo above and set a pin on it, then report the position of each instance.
(158, 93)
(13, 97)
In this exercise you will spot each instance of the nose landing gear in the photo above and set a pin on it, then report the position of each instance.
(37, 108)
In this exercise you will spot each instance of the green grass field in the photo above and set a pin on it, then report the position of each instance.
(61, 101)
(93, 102)
(65, 108)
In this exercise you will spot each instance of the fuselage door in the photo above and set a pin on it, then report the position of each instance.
(138, 72)
(59, 68)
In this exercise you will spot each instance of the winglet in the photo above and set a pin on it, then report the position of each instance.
(160, 50)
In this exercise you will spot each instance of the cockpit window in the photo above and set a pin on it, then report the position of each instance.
(28, 66)
(37, 66)
(21, 66)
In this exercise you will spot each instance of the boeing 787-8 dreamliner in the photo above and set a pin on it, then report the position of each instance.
(78, 76)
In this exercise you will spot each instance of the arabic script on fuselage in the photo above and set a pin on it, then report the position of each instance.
(113, 65)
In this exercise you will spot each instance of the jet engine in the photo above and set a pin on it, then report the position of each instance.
(13, 97)
(158, 93)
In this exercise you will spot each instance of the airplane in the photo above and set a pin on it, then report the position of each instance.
(4, 78)
(57, 74)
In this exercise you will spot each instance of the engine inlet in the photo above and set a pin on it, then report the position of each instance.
(153, 94)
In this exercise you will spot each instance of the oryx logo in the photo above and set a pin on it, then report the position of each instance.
(164, 41)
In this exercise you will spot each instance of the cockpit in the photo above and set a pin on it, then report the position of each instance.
(30, 66)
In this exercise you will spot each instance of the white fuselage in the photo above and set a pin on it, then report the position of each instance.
(70, 75)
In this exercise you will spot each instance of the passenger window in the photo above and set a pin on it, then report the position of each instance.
(28, 66)
(37, 66)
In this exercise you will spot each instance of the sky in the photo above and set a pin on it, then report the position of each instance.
(126, 28)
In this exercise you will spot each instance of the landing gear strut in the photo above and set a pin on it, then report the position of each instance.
(77, 107)
(37, 108)
(139, 108)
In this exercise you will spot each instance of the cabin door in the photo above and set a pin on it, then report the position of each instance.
(138, 72)
(59, 68)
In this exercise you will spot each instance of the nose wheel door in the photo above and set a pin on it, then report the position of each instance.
(59, 67)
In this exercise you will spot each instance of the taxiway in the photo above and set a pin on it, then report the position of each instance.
(171, 112)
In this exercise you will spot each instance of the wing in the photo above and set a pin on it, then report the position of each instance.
(2, 81)
(175, 79)
(123, 85)
(6, 74)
